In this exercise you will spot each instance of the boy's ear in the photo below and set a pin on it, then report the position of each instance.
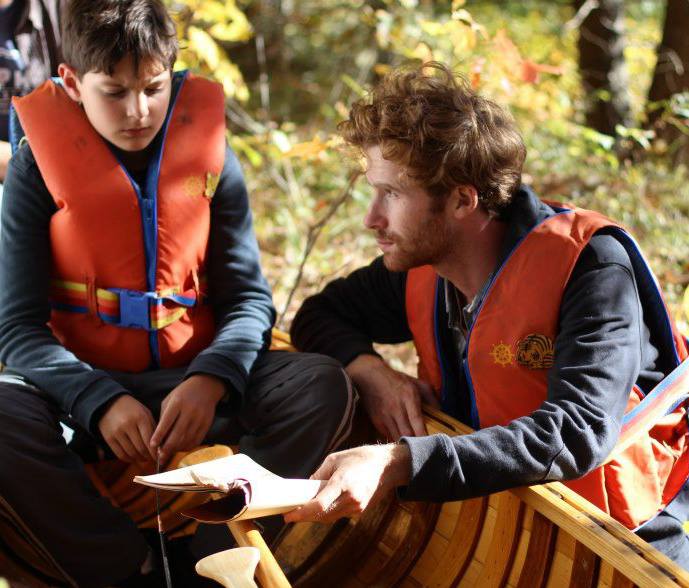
(70, 81)
(463, 200)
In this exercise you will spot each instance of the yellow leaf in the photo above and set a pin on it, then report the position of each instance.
(685, 303)
(210, 12)
(307, 149)
(230, 77)
(204, 46)
(234, 31)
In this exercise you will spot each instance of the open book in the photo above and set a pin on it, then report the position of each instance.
(248, 491)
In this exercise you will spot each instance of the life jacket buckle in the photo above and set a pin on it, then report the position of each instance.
(135, 308)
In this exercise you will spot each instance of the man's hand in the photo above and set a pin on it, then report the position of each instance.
(186, 415)
(356, 478)
(127, 426)
(392, 399)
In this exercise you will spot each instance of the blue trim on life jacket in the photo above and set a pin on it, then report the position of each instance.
(651, 292)
(659, 390)
(449, 398)
(151, 188)
(15, 132)
(148, 206)
(441, 358)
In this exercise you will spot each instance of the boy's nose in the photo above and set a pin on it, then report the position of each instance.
(138, 106)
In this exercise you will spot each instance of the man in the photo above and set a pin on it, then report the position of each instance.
(537, 325)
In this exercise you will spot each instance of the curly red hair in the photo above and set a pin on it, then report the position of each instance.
(433, 123)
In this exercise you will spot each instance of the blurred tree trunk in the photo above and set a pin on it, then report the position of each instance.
(601, 63)
(671, 74)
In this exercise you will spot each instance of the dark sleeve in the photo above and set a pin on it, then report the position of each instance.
(27, 345)
(596, 363)
(350, 313)
(239, 293)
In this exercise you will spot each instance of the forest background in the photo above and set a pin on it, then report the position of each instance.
(600, 90)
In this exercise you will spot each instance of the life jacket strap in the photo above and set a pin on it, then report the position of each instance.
(672, 391)
(126, 308)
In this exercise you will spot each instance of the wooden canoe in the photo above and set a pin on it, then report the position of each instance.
(539, 536)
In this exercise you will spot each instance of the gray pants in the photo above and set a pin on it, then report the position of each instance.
(298, 408)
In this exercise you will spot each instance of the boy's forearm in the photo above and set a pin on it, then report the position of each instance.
(5, 155)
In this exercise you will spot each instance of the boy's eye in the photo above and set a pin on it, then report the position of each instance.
(153, 90)
(115, 93)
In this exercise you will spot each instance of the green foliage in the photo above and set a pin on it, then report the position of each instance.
(320, 55)
(202, 25)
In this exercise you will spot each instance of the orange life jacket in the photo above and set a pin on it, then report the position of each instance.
(129, 261)
(510, 348)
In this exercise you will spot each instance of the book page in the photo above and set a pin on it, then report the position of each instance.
(249, 490)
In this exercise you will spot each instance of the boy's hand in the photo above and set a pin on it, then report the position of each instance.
(392, 399)
(356, 478)
(127, 426)
(186, 415)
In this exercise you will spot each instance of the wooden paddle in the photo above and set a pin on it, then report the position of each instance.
(268, 572)
(233, 568)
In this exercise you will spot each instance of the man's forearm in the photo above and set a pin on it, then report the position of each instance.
(350, 313)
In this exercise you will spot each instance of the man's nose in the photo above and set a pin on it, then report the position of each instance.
(374, 218)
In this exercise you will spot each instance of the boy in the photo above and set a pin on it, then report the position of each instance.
(124, 203)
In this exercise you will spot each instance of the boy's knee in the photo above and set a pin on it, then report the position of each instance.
(12, 407)
(326, 383)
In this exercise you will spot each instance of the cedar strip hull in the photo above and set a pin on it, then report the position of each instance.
(542, 536)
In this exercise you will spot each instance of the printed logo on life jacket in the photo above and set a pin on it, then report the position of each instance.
(535, 352)
(502, 354)
(197, 186)
(193, 186)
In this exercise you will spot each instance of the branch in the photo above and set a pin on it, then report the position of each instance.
(264, 86)
(585, 9)
(314, 232)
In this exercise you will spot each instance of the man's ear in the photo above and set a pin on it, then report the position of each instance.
(463, 200)
(70, 81)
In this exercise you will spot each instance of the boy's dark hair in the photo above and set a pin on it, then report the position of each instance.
(97, 34)
(432, 122)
